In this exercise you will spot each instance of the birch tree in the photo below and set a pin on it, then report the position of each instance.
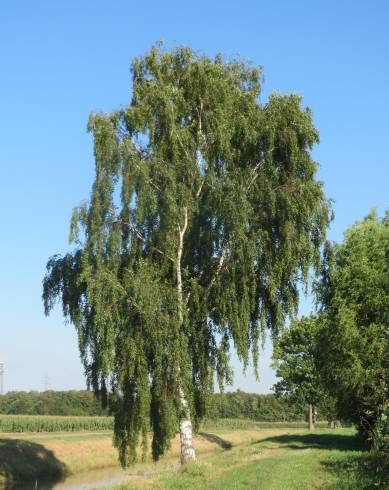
(205, 214)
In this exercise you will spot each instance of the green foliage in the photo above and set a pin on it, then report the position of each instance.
(296, 358)
(355, 341)
(50, 403)
(380, 432)
(204, 216)
(50, 423)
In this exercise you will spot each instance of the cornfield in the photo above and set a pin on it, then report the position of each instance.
(52, 423)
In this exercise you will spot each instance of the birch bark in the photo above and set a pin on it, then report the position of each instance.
(186, 438)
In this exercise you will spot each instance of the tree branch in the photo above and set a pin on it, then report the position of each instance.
(183, 147)
(200, 188)
(143, 239)
(222, 259)
(254, 172)
(181, 233)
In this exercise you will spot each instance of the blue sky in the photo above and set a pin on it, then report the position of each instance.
(62, 60)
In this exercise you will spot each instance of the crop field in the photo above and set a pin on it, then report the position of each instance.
(50, 423)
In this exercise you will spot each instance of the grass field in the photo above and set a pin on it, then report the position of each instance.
(254, 457)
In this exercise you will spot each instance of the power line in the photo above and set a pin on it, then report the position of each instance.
(46, 382)
(1, 378)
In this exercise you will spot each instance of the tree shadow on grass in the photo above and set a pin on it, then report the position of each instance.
(358, 470)
(340, 442)
(367, 471)
(25, 461)
(216, 439)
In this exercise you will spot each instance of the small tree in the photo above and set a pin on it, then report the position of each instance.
(296, 355)
(204, 216)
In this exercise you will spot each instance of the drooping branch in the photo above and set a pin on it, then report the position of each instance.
(254, 175)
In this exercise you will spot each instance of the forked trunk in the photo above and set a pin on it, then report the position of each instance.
(311, 423)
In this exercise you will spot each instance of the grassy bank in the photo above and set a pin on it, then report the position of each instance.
(263, 458)
(27, 457)
(304, 461)
(30, 457)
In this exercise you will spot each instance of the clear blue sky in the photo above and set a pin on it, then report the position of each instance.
(62, 60)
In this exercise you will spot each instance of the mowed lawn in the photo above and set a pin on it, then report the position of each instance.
(328, 459)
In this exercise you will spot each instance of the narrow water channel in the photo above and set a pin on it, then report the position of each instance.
(91, 479)
(94, 479)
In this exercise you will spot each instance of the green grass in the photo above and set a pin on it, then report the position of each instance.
(325, 459)
(245, 424)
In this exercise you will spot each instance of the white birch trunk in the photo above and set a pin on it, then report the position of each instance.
(188, 453)
(187, 450)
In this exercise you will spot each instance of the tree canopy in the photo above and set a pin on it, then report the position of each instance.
(204, 216)
(354, 291)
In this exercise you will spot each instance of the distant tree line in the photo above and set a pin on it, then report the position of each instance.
(267, 407)
(50, 403)
(232, 405)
